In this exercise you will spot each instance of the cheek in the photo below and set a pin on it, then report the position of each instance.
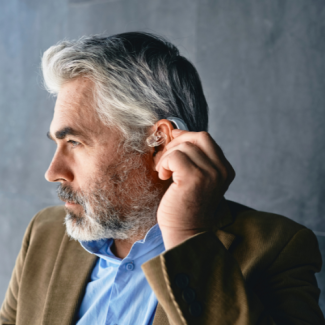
(84, 169)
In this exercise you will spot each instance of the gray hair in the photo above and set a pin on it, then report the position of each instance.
(139, 79)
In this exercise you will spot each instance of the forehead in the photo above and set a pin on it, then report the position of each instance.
(75, 106)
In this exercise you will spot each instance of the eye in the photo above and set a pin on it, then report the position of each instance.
(74, 144)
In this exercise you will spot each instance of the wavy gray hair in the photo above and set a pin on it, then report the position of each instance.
(139, 78)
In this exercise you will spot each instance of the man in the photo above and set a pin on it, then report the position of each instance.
(155, 242)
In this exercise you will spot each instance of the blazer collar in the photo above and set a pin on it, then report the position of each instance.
(71, 272)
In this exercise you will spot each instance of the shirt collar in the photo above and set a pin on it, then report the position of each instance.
(102, 247)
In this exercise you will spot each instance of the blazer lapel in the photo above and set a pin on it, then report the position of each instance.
(73, 267)
(160, 316)
(70, 274)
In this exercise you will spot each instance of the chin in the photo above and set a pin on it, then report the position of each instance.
(85, 228)
(81, 228)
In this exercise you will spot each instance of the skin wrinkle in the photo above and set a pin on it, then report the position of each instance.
(122, 202)
(113, 186)
(82, 98)
(111, 189)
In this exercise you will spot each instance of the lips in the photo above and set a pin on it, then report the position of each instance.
(67, 195)
(70, 203)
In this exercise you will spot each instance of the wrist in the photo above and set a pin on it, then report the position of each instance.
(172, 237)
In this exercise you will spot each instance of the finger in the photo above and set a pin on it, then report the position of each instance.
(205, 142)
(176, 132)
(178, 165)
(201, 139)
(194, 153)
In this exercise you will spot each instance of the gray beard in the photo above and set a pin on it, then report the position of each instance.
(121, 204)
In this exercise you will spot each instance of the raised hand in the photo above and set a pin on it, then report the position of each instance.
(201, 175)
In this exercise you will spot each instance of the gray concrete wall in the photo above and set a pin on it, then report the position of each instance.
(262, 64)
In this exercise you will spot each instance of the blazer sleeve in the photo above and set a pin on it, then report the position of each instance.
(9, 307)
(199, 282)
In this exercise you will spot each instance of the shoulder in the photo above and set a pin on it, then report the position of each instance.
(52, 217)
(260, 224)
(47, 224)
(263, 238)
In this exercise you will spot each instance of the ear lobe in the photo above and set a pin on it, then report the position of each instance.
(155, 152)
(156, 155)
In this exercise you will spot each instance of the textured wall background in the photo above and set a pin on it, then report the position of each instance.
(262, 64)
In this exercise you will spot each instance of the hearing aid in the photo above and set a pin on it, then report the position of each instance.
(178, 122)
(158, 137)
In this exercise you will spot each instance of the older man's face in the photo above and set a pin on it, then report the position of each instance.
(108, 192)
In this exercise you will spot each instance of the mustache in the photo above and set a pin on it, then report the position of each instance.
(65, 193)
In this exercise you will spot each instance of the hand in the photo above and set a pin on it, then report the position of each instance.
(201, 175)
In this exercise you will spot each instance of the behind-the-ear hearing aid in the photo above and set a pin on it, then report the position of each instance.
(179, 123)
(158, 137)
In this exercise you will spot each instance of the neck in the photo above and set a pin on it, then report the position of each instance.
(121, 248)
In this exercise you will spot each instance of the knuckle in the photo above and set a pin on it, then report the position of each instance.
(176, 153)
(233, 174)
(204, 135)
(198, 175)
(221, 174)
(186, 144)
(214, 175)
(225, 173)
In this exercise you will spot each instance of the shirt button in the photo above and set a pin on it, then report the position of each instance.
(129, 266)
(188, 295)
(182, 280)
(195, 309)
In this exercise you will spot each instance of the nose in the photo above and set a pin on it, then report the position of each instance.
(59, 170)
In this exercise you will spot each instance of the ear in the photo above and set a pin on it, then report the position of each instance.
(166, 127)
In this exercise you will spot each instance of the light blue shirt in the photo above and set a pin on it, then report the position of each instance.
(118, 292)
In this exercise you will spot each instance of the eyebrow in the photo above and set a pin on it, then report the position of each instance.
(61, 134)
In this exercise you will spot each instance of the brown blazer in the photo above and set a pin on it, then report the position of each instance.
(252, 268)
